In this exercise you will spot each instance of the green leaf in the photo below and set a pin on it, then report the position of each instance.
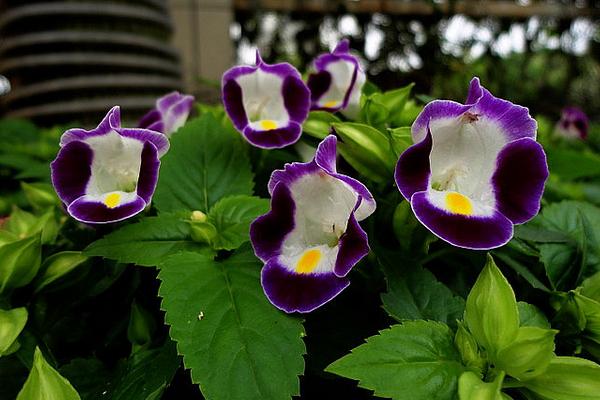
(414, 293)
(572, 164)
(19, 262)
(40, 195)
(471, 387)
(141, 327)
(205, 163)
(318, 124)
(416, 360)
(591, 287)
(371, 142)
(394, 101)
(232, 216)
(147, 242)
(530, 315)
(12, 323)
(491, 311)
(45, 383)
(568, 378)
(529, 354)
(237, 345)
(567, 263)
(400, 139)
(58, 265)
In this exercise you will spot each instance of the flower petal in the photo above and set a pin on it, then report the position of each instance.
(160, 141)
(413, 168)
(303, 293)
(106, 209)
(274, 138)
(353, 246)
(268, 231)
(519, 179)
(477, 232)
(148, 177)
(111, 121)
(71, 170)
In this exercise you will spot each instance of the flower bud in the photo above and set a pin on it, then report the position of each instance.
(203, 232)
(471, 387)
(567, 378)
(468, 349)
(40, 195)
(141, 326)
(19, 262)
(12, 323)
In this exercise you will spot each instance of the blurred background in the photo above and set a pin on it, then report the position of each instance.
(71, 60)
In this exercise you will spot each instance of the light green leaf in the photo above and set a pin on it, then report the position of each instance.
(232, 216)
(491, 312)
(45, 383)
(530, 315)
(530, 353)
(568, 378)
(471, 387)
(40, 195)
(147, 242)
(318, 123)
(395, 100)
(19, 262)
(572, 164)
(370, 141)
(58, 265)
(414, 293)
(591, 287)
(237, 345)
(205, 163)
(416, 360)
(12, 323)
(400, 139)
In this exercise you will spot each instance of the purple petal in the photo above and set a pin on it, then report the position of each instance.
(149, 168)
(413, 169)
(303, 293)
(71, 170)
(354, 245)
(343, 47)
(96, 212)
(232, 101)
(152, 121)
(160, 141)
(110, 122)
(475, 91)
(318, 83)
(519, 179)
(268, 232)
(275, 138)
(297, 98)
(470, 232)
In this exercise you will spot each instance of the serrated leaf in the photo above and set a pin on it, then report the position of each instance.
(414, 293)
(205, 163)
(237, 345)
(416, 360)
(232, 217)
(45, 383)
(147, 242)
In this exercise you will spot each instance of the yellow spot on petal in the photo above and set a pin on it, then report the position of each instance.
(459, 204)
(308, 262)
(331, 104)
(268, 124)
(112, 200)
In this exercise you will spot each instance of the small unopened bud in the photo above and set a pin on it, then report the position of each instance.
(198, 216)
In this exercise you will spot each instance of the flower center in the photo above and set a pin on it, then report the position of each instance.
(112, 200)
(268, 124)
(309, 261)
(457, 203)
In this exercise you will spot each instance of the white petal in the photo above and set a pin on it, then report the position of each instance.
(116, 163)
(463, 156)
(341, 72)
(263, 98)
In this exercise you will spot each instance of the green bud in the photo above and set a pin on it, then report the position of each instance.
(12, 323)
(568, 378)
(361, 161)
(468, 349)
(404, 224)
(40, 195)
(141, 327)
(400, 139)
(44, 382)
(20, 223)
(529, 355)
(491, 311)
(19, 262)
(367, 142)
(373, 111)
(409, 114)
(318, 124)
(471, 387)
(591, 287)
(395, 101)
(57, 265)
(198, 216)
(591, 310)
(203, 232)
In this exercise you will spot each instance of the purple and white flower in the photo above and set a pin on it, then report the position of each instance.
(170, 113)
(475, 169)
(573, 124)
(109, 173)
(266, 103)
(337, 82)
(311, 239)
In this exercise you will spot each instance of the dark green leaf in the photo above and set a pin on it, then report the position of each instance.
(147, 242)
(530, 315)
(205, 163)
(237, 345)
(416, 360)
